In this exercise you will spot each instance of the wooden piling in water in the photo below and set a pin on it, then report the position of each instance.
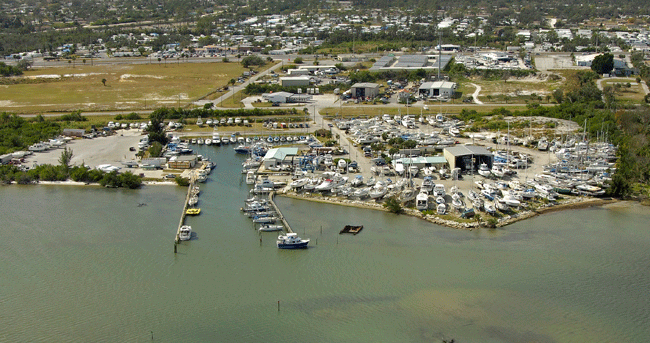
(287, 228)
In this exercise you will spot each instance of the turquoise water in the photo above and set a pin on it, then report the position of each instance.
(87, 264)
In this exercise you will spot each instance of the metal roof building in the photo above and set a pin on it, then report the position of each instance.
(444, 89)
(365, 90)
(276, 156)
(467, 157)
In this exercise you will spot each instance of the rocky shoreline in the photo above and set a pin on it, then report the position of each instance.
(464, 224)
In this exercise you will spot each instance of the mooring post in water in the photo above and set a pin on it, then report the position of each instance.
(278, 305)
(152, 335)
(260, 240)
(321, 230)
(175, 247)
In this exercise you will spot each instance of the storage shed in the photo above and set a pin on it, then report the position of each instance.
(468, 157)
(365, 90)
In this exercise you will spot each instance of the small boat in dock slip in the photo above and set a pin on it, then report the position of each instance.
(193, 201)
(262, 219)
(270, 228)
(196, 190)
(250, 177)
(291, 241)
(185, 233)
(193, 211)
(353, 229)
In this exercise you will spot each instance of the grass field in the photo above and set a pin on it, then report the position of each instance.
(128, 87)
(369, 111)
(633, 94)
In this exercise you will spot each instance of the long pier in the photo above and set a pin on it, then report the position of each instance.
(287, 228)
(184, 214)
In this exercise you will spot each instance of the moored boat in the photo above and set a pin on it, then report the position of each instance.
(291, 241)
(185, 233)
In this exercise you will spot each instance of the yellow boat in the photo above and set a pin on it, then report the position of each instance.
(193, 211)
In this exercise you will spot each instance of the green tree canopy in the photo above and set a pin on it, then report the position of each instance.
(603, 64)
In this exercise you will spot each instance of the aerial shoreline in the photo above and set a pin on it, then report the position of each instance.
(570, 204)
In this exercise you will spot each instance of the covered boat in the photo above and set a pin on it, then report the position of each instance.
(353, 229)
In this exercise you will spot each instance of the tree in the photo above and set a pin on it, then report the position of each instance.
(603, 64)
(298, 60)
(65, 158)
(155, 150)
(104, 82)
(393, 205)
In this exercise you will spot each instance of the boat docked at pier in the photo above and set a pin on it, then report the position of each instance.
(185, 233)
(291, 241)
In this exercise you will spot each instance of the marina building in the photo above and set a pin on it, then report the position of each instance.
(365, 90)
(467, 157)
(442, 89)
(422, 162)
(294, 81)
(286, 97)
(182, 162)
(276, 157)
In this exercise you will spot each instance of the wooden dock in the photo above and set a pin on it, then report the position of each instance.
(184, 214)
(287, 228)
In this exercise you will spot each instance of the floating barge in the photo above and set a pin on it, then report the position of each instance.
(353, 229)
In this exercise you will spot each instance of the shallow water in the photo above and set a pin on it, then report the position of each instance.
(88, 264)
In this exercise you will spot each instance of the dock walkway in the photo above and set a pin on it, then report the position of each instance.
(287, 228)
(184, 214)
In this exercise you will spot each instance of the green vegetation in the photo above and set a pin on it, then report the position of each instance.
(393, 205)
(17, 133)
(603, 64)
(182, 181)
(7, 70)
(48, 172)
(253, 60)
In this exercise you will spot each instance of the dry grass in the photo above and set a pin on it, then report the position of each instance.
(634, 94)
(128, 87)
(368, 111)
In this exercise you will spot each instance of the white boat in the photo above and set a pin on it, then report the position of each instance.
(208, 141)
(193, 201)
(489, 208)
(291, 241)
(38, 147)
(270, 227)
(209, 122)
(250, 178)
(199, 141)
(378, 191)
(199, 122)
(453, 131)
(299, 183)
(422, 201)
(361, 192)
(324, 186)
(439, 190)
(497, 171)
(399, 167)
(357, 181)
(407, 195)
(185, 233)
(441, 208)
(440, 199)
(371, 181)
(264, 219)
(457, 202)
(483, 170)
(500, 205)
(413, 170)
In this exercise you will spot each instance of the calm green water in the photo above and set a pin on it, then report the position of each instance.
(84, 264)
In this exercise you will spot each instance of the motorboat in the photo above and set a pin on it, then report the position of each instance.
(441, 208)
(361, 192)
(193, 211)
(399, 167)
(199, 122)
(185, 233)
(440, 199)
(371, 181)
(497, 171)
(291, 241)
(209, 122)
(457, 202)
(439, 190)
(413, 170)
(500, 205)
(489, 208)
(324, 186)
(208, 141)
(193, 200)
(483, 170)
(407, 195)
(250, 177)
(422, 201)
(378, 191)
(357, 181)
(427, 184)
(242, 149)
(299, 183)
(264, 219)
(270, 227)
